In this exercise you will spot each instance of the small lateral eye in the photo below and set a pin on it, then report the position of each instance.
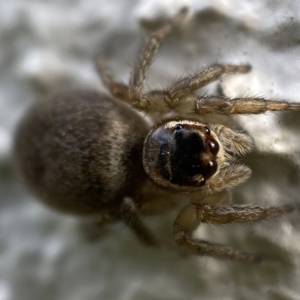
(202, 182)
(178, 127)
(210, 168)
(207, 130)
(213, 147)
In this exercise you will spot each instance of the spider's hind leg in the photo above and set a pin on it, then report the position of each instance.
(193, 215)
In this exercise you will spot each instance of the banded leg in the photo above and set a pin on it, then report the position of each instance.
(192, 215)
(189, 84)
(224, 105)
(183, 90)
(149, 49)
(117, 89)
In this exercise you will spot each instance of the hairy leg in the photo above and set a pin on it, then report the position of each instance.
(149, 49)
(117, 89)
(191, 217)
(183, 89)
(189, 84)
(224, 105)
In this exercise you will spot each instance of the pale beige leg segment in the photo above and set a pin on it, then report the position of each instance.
(223, 105)
(239, 213)
(189, 84)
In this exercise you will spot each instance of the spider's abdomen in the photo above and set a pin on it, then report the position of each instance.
(80, 151)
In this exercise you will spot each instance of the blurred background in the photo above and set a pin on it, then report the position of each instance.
(50, 45)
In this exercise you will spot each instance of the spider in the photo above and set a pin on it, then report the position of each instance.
(89, 153)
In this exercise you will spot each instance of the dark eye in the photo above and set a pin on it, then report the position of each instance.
(202, 182)
(178, 127)
(207, 130)
(210, 168)
(213, 147)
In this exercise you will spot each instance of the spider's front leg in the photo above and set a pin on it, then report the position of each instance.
(224, 105)
(190, 84)
(185, 88)
(193, 215)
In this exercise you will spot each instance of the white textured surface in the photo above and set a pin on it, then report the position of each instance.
(50, 45)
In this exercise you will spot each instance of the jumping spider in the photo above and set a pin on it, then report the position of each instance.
(88, 153)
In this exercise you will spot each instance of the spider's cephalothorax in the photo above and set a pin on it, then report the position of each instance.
(87, 153)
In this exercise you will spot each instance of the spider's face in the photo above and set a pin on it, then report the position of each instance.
(188, 156)
(181, 153)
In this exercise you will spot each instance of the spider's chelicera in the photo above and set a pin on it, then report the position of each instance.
(88, 153)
